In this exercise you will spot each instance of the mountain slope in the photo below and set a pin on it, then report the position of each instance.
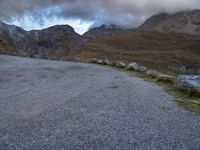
(6, 43)
(53, 42)
(103, 29)
(167, 52)
(186, 21)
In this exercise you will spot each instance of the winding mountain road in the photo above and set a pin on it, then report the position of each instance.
(64, 105)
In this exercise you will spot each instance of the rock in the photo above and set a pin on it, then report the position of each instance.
(77, 60)
(132, 66)
(43, 57)
(120, 65)
(165, 78)
(182, 69)
(94, 60)
(152, 73)
(140, 69)
(24, 55)
(189, 83)
(2, 52)
(136, 67)
(99, 61)
(14, 54)
(105, 62)
(112, 64)
(198, 71)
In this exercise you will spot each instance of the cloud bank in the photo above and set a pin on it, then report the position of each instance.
(121, 12)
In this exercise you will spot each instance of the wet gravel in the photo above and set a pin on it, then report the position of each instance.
(64, 105)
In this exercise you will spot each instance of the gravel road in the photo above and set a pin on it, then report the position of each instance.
(64, 105)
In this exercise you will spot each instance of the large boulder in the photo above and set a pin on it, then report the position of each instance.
(189, 83)
(152, 73)
(136, 67)
(132, 66)
(166, 78)
(121, 65)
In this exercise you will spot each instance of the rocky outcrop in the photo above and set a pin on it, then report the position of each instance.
(189, 83)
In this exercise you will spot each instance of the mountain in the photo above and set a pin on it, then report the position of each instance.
(6, 43)
(185, 21)
(53, 42)
(103, 29)
(166, 42)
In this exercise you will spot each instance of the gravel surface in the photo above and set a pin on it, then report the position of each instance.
(64, 105)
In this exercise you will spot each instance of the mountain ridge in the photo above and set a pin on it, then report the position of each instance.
(52, 42)
(183, 21)
(102, 29)
(161, 43)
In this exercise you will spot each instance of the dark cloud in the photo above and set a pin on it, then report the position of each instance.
(121, 12)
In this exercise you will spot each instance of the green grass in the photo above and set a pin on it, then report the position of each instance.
(187, 102)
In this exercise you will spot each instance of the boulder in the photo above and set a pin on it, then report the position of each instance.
(14, 54)
(189, 83)
(165, 78)
(198, 71)
(136, 67)
(71, 59)
(77, 60)
(105, 62)
(152, 73)
(182, 69)
(43, 57)
(24, 55)
(99, 61)
(121, 65)
(94, 60)
(140, 69)
(112, 64)
(2, 52)
(132, 66)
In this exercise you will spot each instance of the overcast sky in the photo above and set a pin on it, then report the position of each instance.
(81, 14)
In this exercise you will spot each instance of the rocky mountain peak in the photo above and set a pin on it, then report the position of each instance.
(97, 31)
(184, 21)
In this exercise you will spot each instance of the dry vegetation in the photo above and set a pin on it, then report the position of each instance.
(157, 50)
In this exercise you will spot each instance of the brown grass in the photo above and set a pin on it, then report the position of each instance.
(152, 49)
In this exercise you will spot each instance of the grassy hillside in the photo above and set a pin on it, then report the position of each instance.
(166, 52)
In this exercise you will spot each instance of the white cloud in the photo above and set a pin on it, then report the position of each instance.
(121, 12)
